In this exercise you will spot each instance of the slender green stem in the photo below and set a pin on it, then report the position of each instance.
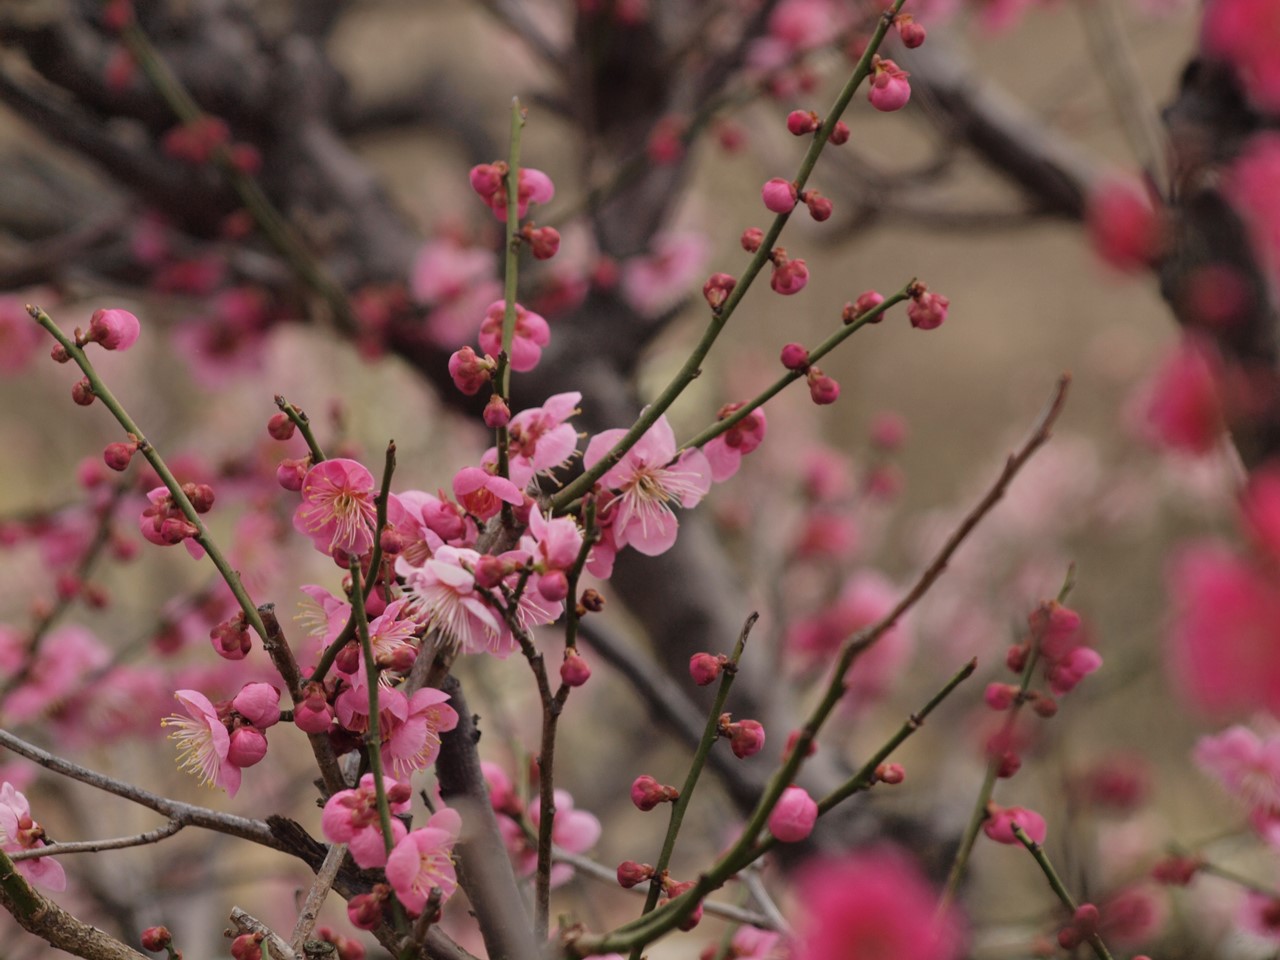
(791, 376)
(1055, 882)
(511, 277)
(692, 366)
(589, 537)
(373, 737)
(710, 734)
(979, 813)
(303, 423)
(202, 537)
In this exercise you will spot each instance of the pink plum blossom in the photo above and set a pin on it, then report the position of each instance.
(1225, 621)
(203, 742)
(1246, 34)
(873, 905)
(414, 743)
(488, 180)
(656, 283)
(540, 438)
(647, 481)
(337, 510)
(531, 334)
(443, 591)
(351, 817)
(69, 655)
(18, 831)
(574, 830)
(725, 452)
(1246, 765)
(423, 861)
(482, 493)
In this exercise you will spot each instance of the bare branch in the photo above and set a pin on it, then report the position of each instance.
(316, 896)
(94, 846)
(277, 949)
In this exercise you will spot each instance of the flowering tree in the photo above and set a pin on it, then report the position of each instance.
(348, 744)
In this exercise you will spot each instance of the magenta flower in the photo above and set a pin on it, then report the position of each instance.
(423, 861)
(647, 481)
(531, 334)
(19, 832)
(873, 906)
(337, 510)
(203, 742)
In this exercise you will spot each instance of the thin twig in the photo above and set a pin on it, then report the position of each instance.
(93, 846)
(276, 948)
(1037, 852)
(316, 896)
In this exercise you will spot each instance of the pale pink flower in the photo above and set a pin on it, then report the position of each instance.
(540, 438)
(1246, 765)
(443, 591)
(444, 271)
(68, 656)
(203, 742)
(803, 24)
(323, 615)
(423, 861)
(676, 263)
(574, 830)
(1246, 34)
(351, 817)
(647, 481)
(1225, 622)
(873, 905)
(530, 335)
(20, 336)
(18, 831)
(337, 510)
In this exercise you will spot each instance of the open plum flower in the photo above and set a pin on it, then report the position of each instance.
(19, 832)
(647, 479)
(337, 510)
(423, 861)
(203, 742)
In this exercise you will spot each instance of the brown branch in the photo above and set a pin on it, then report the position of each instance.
(275, 945)
(60, 929)
(94, 846)
(316, 896)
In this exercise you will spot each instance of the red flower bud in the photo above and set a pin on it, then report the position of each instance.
(280, 427)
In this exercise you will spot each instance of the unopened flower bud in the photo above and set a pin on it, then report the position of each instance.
(543, 241)
(819, 206)
(1000, 696)
(156, 938)
(592, 601)
(200, 495)
(348, 658)
(792, 739)
(631, 873)
(469, 371)
(1010, 763)
(752, 237)
(927, 310)
(247, 946)
(890, 89)
(281, 427)
(647, 793)
(779, 195)
(365, 910)
(839, 134)
(247, 747)
(866, 302)
(291, 473)
(792, 819)
(1045, 706)
(909, 30)
(789, 276)
(704, 668)
(822, 389)
(717, 289)
(800, 122)
(59, 353)
(553, 585)
(118, 455)
(574, 671)
(746, 737)
(113, 329)
(1016, 657)
(82, 392)
(795, 357)
(490, 571)
(890, 773)
(496, 413)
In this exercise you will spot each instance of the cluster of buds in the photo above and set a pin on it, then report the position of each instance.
(746, 737)
(866, 302)
(544, 242)
(789, 276)
(717, 289)
(802, 122)
(489, 181)
(163, 522)
(470, 372)
(1082, 928)
(927, 310)
(781, 196)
